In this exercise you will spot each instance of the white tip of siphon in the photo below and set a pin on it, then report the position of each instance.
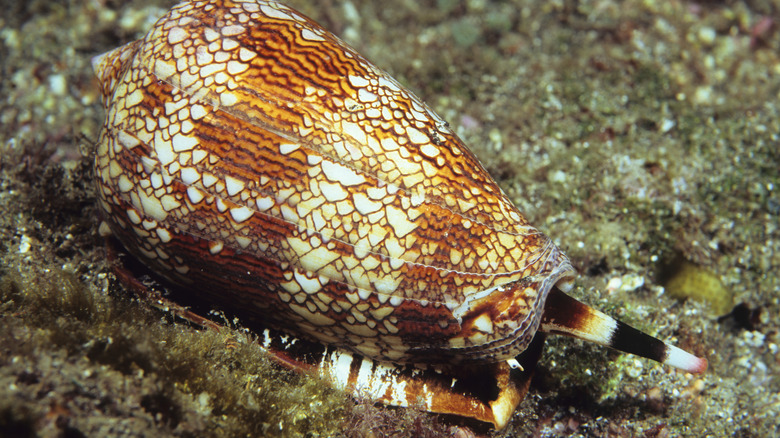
(684, 360)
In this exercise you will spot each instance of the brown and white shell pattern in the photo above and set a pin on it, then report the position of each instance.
(257, 159)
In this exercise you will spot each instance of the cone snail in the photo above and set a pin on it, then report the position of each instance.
(255, 159)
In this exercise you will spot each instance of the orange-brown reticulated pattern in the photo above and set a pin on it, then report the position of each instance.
(254, 157)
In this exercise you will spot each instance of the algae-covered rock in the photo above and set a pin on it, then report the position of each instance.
(683, 279)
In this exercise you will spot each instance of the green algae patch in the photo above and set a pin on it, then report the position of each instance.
(683, 280)
(186, 381)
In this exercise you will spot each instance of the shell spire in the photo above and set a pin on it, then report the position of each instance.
(110, 66)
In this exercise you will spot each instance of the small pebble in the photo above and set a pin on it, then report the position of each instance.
(58, 85)
(24, 245)
(707, 35)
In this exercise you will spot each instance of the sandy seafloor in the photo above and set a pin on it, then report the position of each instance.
(636, 134)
